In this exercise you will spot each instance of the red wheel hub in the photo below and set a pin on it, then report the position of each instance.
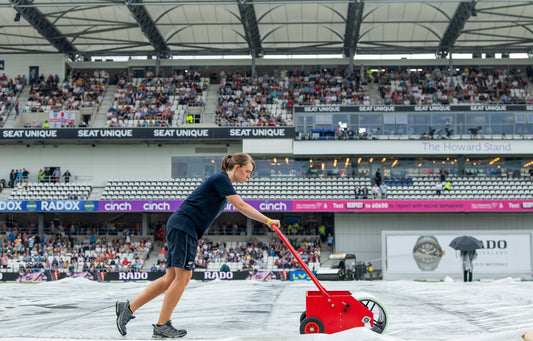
(312, 328)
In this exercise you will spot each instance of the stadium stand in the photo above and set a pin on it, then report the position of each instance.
(156, 101)
(299, 188)
(21, 251)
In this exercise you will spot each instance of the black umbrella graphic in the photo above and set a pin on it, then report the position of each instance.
(466, 243)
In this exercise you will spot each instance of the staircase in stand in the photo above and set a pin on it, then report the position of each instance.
(11, 121)
(100, 119)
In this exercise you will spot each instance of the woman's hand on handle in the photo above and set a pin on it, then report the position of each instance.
(274, 222)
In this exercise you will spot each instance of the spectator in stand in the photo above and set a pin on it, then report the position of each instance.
(20, 188)
(12, 178)
(159, 235)
(364, 192)
(383, 189)
(375, 191)
(5, 261)
(330, 242)
(56, 174)
(39, 175)
(25, 175)
(322, 232)
(67, 175)
(125, 264)
(438, 187)
(378, 178)
(443, 175)
(45, 175)
(350, 133)
(339, 133)
(357, 192)
(19, 175)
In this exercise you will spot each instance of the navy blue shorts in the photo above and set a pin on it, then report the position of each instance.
(181, 249)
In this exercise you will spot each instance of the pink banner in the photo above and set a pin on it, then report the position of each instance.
(412, 205)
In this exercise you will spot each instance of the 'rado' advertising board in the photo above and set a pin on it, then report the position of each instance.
(503, 252)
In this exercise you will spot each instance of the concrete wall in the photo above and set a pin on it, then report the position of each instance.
(49, 64)
(100, 163)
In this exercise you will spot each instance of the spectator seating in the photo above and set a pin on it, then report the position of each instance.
(416, 188)
(140, 189)
(52, 191)
(489, 188)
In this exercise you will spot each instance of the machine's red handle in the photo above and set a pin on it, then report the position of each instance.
(301, 261)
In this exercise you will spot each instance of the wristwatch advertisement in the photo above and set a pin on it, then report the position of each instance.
(427, 253)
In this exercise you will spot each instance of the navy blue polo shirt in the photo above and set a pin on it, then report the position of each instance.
(203, 205)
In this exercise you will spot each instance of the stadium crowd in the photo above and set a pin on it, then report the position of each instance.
(267, 99)
(469, 85)
(254, 253)
(66, 249)
(52, 94)
(152, 101)
(66, 253)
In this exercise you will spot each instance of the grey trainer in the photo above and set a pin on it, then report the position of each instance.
(168, 331)
(124, 315)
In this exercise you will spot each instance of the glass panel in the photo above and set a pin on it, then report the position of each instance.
(389, 118)
(401, 118)
(502, 123)
(419, 123)
(476, 123)
(372, 122)
(520, 118)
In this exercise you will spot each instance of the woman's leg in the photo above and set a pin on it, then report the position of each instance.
(173, 294)
(153, 290)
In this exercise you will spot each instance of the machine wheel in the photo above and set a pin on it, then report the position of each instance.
(380, 315)
(311, 325)
(303, 316)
